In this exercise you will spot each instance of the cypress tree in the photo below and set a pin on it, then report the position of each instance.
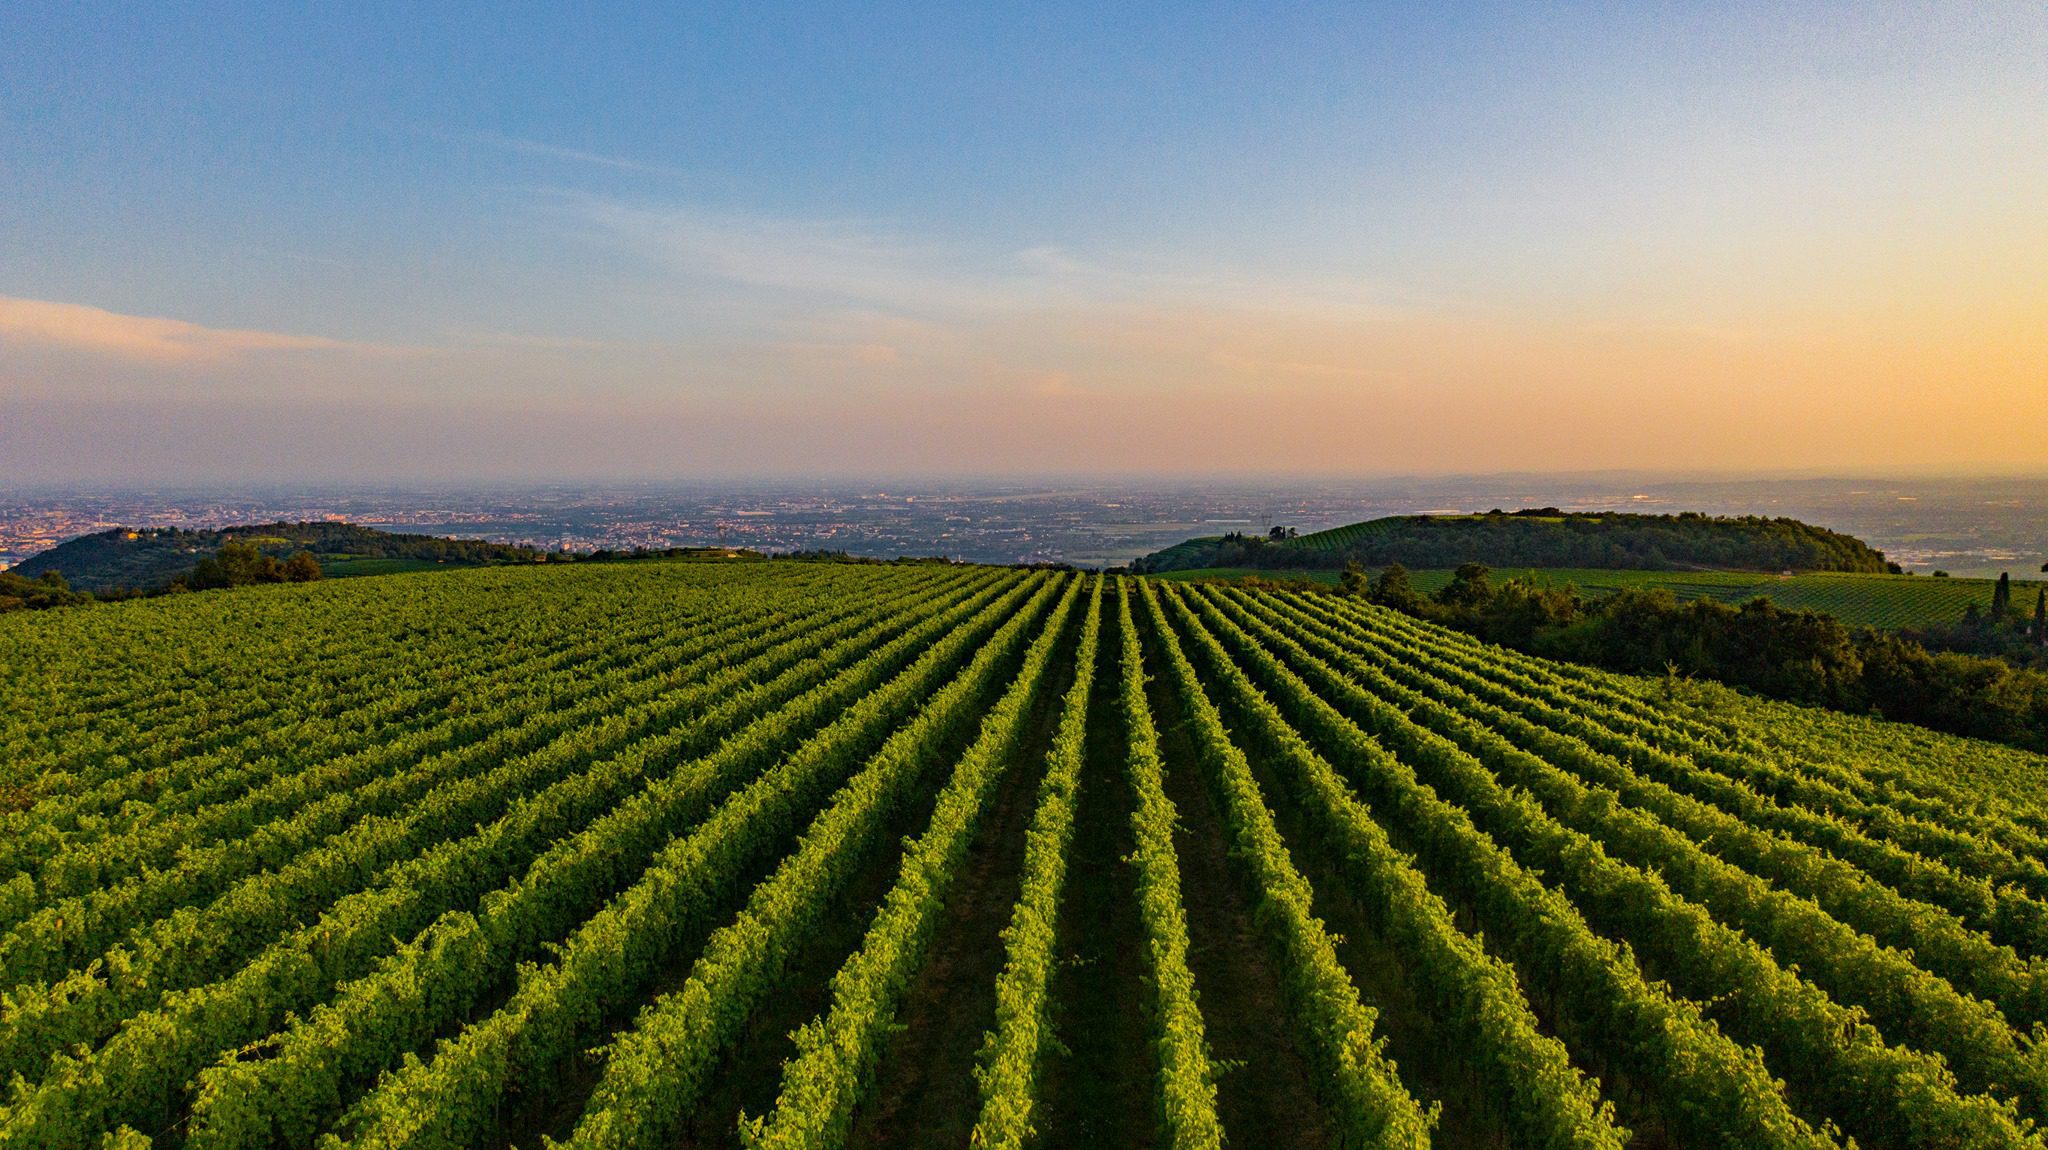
(2041, 617)
(2001, 597)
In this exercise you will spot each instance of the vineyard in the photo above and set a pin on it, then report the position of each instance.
(1883, 601)
(793, 855)
(1339, 538)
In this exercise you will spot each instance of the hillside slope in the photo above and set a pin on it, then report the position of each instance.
(1542, 538)
(151, 557)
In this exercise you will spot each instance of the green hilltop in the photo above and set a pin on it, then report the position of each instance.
(1540, 537)
(150, 557)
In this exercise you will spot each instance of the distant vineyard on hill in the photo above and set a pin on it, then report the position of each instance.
(780, 854)
(1544, 537)
(1885, 601)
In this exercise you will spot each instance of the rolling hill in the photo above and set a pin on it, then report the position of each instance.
(150, 557)
(1543, 537)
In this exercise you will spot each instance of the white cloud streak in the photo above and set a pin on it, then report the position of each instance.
(146, 338)
(576, 155)
(854, 263)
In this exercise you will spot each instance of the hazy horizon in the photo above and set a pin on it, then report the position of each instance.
(1978, 525)
(412, 244)
(1137, 480)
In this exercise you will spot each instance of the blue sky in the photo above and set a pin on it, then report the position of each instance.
(695, 239)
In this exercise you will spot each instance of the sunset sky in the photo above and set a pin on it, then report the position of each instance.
(487, 241)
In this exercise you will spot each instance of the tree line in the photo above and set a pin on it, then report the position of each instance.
(235, 565)
(241, 564)
(151, 558)
(20, 593)
(1798, 655)
(2008, 631)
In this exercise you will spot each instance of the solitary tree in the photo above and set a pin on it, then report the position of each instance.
(1470, 586)
(2041, 617)
(208, 575)
(1355, 582)
(2001, 597)
(1394, 588)
(245, 564)
(302, 568)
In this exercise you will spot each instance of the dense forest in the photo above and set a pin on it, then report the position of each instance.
(1540, 537)
(151, 558)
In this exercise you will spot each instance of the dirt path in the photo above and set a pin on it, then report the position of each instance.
(1266, 1095)
(1099, 1090)
(925, 1093)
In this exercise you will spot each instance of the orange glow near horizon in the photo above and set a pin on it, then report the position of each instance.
(1355, 238)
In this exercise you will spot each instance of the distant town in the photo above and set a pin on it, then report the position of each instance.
(1965, 526)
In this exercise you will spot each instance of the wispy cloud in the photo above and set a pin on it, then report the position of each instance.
(1267, 367)
(526, 147)
(148, 338)
(865, 264)
(846, 262)
(845, 354)
(295, 257)
(820, 305)
(529, 341)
